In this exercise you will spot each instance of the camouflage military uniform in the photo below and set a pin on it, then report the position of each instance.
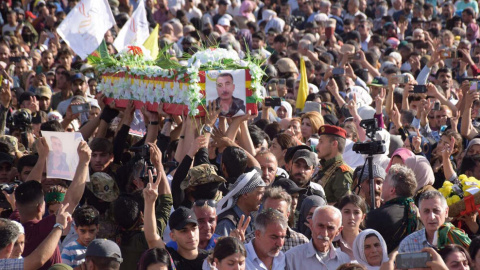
(201, 174)
(104, 187)
(335, 177)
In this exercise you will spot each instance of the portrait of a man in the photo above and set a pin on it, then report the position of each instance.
(57, 159)
(229, 105)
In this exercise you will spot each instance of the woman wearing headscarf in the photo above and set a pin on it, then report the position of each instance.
(246, 14)
(399, 157)
(309, 205)
(245, 38)
(473, 33)
(275, 23)
(370, 250)
(422, 169)
(284, 111)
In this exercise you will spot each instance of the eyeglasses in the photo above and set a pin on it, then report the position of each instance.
(202, 202)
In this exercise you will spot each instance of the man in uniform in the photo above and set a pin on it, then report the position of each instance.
(230, 105)
(334, 175)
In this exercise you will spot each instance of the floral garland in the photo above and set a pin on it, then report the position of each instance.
(456, 192)
(133, 75)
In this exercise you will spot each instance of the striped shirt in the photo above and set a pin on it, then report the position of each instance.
(70, 253)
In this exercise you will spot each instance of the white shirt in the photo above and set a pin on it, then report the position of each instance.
(305, 257)
(253, 262)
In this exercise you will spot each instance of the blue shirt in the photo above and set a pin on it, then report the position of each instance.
(210, 245)
(414, 242)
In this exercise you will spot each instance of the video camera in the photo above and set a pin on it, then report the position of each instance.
(373, 147)
(142, 154)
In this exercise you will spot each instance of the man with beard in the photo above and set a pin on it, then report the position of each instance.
(79, 88)
(301, 171)
(364, 184)
(264, 251)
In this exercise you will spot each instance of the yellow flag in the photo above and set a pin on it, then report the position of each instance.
(303, 87)
(152, 43)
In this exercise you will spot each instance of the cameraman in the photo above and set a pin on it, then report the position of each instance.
(22, 129)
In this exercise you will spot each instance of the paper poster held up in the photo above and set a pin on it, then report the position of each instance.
(62, 160)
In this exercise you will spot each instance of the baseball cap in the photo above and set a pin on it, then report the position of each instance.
(25, 96)
(199, 175)
(224, 21)
(30, 15)
(6, 158)
(10, 140)
(43, 91)
(292, 150)
(181, 217)
(284, 65)
(102, 248)
(288, 185)
(77, 76)
(379, 81)
(103, 186)
(307, 155)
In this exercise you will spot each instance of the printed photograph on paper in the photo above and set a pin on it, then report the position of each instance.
(227, 89)
(62, 160)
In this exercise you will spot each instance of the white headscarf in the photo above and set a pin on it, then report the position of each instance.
(275, 23)
(245, 183)
(359, 248)
(287, 107)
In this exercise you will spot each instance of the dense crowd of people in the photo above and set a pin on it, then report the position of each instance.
(284, 187)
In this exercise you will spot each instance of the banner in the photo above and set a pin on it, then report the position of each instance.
(135, 31)
(84, 27)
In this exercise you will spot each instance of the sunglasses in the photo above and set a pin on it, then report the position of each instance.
(202, 202)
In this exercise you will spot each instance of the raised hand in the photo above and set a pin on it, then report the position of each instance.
(5, 94)
(379, 101)
(62, 216)
(448, 149)
(84, 152)
(212, 112)
(242, 226)
(162, 112)
(150, 193)
(34, 105)
(396, 117)
(128, 113)
(417, 142)
(42, 147)
(352, 106)
(155, 155)
(199, 142)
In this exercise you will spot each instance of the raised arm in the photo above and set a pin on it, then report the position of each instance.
(150, 195)
(5, 99)
(37, 171)
(46, 249)
(466, 127)
(77, 187)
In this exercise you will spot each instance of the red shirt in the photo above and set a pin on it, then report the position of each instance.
(35, 232)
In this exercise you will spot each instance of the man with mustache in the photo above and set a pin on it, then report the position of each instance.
(378, 178)
(302, 167)
(433, 212)
(230, 105)
(265, 250)
(397, 217)
(319, 253)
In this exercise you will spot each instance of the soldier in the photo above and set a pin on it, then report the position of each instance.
(334, 175)
(230, 105)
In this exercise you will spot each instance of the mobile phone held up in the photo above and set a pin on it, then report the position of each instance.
(80, 108)
(273, 101)
(419, 89)
(412, 260)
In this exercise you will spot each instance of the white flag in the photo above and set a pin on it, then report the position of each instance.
(135, 31)
(85, 26)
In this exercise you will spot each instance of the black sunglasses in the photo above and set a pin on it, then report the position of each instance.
(202, 202)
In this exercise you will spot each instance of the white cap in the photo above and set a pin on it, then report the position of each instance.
(94, 103)
(54, 116)
(224, 21)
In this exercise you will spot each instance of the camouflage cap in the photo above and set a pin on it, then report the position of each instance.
(103, 186)
(10, 140)
(201, 174)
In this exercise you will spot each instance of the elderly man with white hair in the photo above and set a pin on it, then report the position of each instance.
(319, 253)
